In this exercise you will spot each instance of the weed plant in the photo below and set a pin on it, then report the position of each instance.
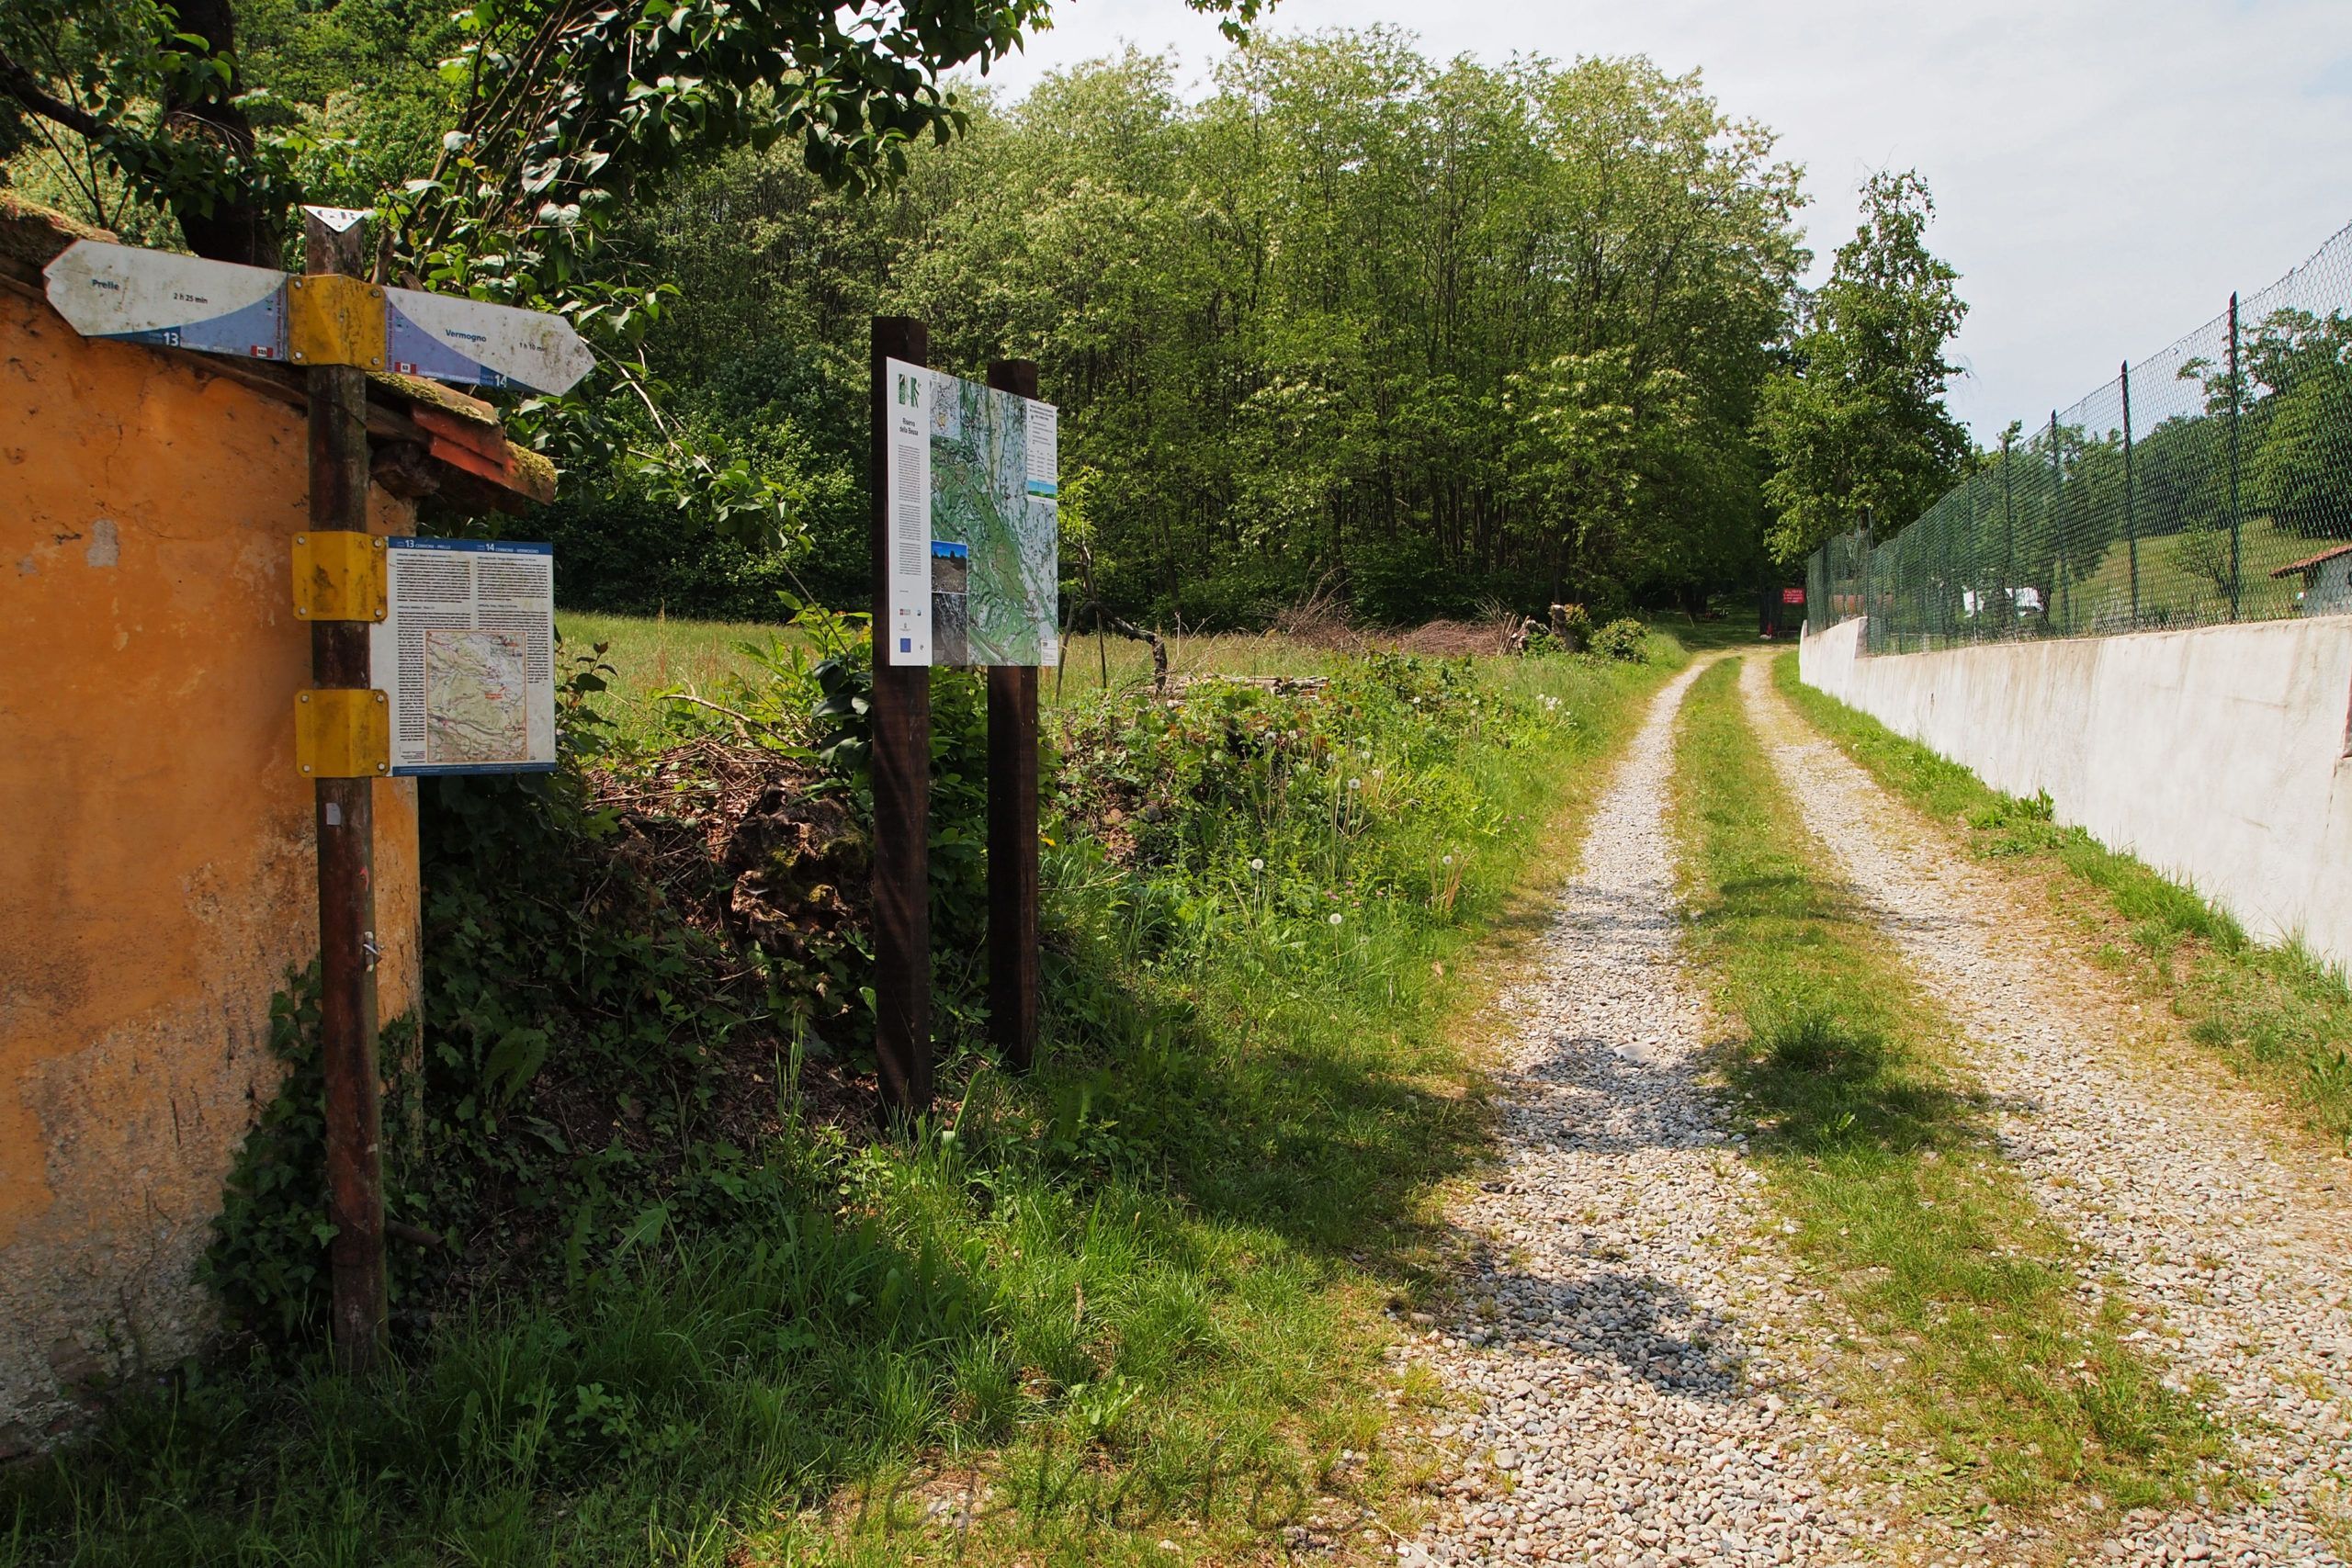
(1133, 1296)
(1973, 1340)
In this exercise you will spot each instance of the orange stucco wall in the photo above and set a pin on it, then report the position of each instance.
(156, 869)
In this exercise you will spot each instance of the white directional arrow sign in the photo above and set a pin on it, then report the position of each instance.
(176, 301)
(119, 291)
(451, 338)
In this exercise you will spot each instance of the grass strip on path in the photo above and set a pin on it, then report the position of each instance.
(1880, 1150)
(2277, 1016)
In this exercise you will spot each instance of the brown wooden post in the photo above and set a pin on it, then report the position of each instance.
(901, 761)
(1012, 824)
(347, 840)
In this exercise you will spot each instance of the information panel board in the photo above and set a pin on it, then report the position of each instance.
(974, 526)
(466, 656)
(906, 630)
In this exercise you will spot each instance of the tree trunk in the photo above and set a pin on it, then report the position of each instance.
(238, 228)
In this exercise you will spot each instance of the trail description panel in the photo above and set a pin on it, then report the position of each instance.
(974, 526)
(907, 475)
(467, 656)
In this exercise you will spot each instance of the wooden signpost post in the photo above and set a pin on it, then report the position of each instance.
(1012, 824)
(338, 327)
(972, 611)
(346, 792)
(899, 758)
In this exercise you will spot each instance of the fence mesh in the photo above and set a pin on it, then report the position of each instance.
(2210, 482)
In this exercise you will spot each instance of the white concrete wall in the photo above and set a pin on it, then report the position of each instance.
(2217, 756)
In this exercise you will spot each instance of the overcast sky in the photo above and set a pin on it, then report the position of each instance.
(2105, 171)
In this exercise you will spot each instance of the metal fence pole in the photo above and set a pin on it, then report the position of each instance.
(1873, 622)
(2235, 399)
(2009, 522)
(1947, 568)
(2130, 531)
(2058, 525)
(1979, 555)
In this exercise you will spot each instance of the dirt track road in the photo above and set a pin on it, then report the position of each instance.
(2234, 1241)
(1642, 1354)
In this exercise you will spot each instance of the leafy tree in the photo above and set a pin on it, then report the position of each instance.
(552, 108)
(1427, 334)
(2302, 471)
(1332, 325)
(503, 168)
(139, 99)
(2302, 441)
(1856, 425)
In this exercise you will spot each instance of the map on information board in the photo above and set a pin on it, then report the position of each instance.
(975, 542)
(477, 698)
(466, 656)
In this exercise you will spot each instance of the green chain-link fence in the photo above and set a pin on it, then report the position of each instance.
(2212, 482)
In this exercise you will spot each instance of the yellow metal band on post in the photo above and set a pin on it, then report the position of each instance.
(342, 732)
(334, 320)
(341, 575)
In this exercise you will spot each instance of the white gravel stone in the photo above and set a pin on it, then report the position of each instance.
(2229, 1236)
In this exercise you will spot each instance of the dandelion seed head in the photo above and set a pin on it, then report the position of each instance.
(1337, 917)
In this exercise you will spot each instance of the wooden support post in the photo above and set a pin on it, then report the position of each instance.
(347, 840)
(900, 761)
(1012, 825)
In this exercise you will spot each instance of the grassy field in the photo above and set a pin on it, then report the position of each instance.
(2277, 1015)
(1878, 1147)
(2173, 588)
(652, 656)
(1135, 1297)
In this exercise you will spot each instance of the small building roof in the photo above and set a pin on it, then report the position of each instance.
(2310, 561)
(425, 439)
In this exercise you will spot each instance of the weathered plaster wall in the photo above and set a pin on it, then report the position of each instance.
(156, 871)
(2217, 756)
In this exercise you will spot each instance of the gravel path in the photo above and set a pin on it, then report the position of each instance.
(1635, 1344)
(2235, 1246)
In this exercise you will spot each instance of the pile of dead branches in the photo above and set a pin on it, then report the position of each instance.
(742, 838)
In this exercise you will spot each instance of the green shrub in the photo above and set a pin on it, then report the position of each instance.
(1626, 639)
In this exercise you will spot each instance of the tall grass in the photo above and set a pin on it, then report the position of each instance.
(652, 655)
(1133, 1296)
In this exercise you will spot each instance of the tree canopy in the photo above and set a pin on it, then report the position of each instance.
(1424, 334)
(1856, 425)
(1429, 335)
(515, 113)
